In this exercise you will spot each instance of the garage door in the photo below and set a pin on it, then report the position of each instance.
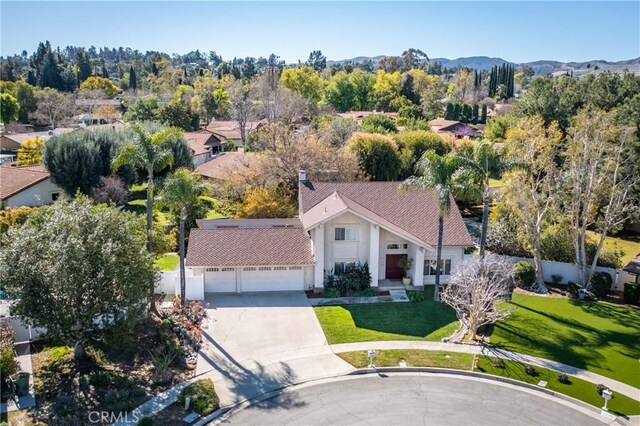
(272, 278)
(220, 280)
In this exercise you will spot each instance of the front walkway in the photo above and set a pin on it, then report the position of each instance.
(588, 376)
(23, 359)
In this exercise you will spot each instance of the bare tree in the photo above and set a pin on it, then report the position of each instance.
(532, 189)
(600, 177)
(243, 107)
(54, 107)
(475, 289)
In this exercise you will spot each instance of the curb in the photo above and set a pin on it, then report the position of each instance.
(232, 409)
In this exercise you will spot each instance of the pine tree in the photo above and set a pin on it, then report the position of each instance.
(154, 69)
(475, 114)
(448, 114)
(483, 115)
(457, 111)
(133, 83)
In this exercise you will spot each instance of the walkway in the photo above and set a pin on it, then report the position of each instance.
(588, 376)
(23, 359)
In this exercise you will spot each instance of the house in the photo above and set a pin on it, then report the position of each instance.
(339, 225)
(229, 131)
(26, 186)
(633, 267)
(359, 115)
(11, 142)
(456, 128)
(203, 144)
(225, 164)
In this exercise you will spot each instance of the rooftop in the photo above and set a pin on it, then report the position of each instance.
(15, 179)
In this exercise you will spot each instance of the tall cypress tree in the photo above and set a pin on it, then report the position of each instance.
(483, 115)
(448, 114)
(133, 83)
(475, 118)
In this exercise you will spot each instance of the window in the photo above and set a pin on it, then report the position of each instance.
(212, 269)
(295, 268)
(340, 268)
(227, 269)
(264, 268)
(249, 269)
(397, 246)
(430, 267)
(55, 196)
(345, 234)
(279, 268)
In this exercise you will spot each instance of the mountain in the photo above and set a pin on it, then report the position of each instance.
(539, 67)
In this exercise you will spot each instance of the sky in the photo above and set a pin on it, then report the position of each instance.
(516, 31)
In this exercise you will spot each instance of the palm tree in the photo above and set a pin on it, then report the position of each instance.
(435, 173)
(151, 153)
(181, 190)
(485, 162)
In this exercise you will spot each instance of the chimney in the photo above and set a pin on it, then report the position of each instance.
(302, 176)
(302, 179)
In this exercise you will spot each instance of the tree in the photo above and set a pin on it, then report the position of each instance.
(267, 202)
(107, 112)
(30, 151)
(436, 173)
(414, 143)
(111, 190)
(242, 106)
(133, 80)
(600, 176)
(176, 114)
(386, 89)
(341, 93)
(142, 109)
(377, 155)
(476, 292)
(304, 80)
(24, 94)
(100, 83)
(532, 189)
(84, 278)
(10, 108)
(485, 162)
(53, 107)
(378, 123)
(84, 65)
(317, 60)
(182, 189)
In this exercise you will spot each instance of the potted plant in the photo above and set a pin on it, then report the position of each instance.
(406, 263)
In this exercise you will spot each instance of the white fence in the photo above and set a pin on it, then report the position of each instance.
(569, 272)
(23, 332)
(170, 284)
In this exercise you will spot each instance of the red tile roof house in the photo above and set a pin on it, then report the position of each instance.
(339, 224)
(26, 186)
(204, 145)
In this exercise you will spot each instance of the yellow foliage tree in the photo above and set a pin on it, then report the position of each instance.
(266, 202)
(100, 83)
(30, 151)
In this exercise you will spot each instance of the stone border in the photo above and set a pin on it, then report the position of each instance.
(224, 413)
(321, 301)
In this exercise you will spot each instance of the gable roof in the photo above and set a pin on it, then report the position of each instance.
(20, 138)
(201, 142)
(255, 245)
(224, 164)
(414, 212)
(229, 129)
(14, 179)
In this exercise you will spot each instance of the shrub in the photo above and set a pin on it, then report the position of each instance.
(498, 362)
(145, 421)
(524, 274)
(416, 296)
(354, 278)
(7, 363)
(84, 381)
(556, 279)
(204, 399)
(600, 388)
(330, 292)
(601, 283)
(530, 370)
(631, 293)
(563, 378)
(573, 288)
(379, 123)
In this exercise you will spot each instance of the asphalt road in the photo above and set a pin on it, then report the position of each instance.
(410, 400)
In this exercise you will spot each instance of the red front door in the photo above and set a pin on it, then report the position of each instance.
(392, 270)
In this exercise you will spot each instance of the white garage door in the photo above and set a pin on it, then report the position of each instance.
(220, 280)
(272, 278)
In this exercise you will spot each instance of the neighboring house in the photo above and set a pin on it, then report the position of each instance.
(359, 115)
(11, 142)
(225, 164)
(230, 130)
(203, 144)
(339, 225)
(26, 186)
(633, 267)
(456, 128)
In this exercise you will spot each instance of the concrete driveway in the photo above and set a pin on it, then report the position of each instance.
(257, 342)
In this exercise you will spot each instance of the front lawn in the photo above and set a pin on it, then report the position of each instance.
(596, 336)
(168, 262)
(425, 320)
(413, 358)
(627, 242)
(576, 388)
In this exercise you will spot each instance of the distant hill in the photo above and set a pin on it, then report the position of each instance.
(539, 67)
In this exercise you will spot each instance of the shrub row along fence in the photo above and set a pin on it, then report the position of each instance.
(569, 271)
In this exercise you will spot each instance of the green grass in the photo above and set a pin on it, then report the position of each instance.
(413, 358)
(597, 336)
(387, 321)
(168, 262)
(495, 183)
(628, 243)
(579, 389)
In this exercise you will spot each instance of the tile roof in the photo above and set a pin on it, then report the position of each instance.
(229, 129)
(201, 142)
(227, 163)
(254, 246)
(16, 179)
(415, 212)
(22, 137)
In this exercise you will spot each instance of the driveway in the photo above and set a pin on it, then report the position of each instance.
(403, 399)
(256, 342)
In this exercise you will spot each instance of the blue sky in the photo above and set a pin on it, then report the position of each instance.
(516, 31)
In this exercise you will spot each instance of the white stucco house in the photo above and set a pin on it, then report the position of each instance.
(339, 224)
(26, 186)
